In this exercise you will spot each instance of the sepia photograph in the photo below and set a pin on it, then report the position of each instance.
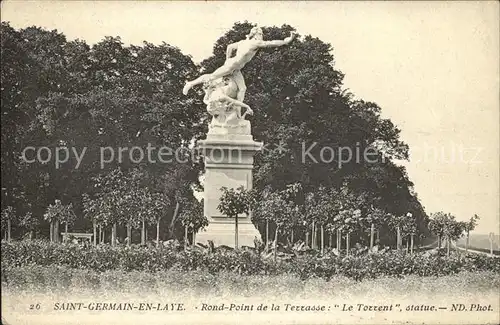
(250, 162)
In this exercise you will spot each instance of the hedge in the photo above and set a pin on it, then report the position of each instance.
(135, 258)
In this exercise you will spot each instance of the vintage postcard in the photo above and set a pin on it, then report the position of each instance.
(250, 162)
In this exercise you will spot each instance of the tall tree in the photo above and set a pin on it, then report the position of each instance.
(67, 94)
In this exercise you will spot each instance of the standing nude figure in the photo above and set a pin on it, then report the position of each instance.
(245, 51)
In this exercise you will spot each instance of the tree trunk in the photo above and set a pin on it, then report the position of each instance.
(66, 228)
(322, 240)
(439, 242)
(267, 233)
(339, 240)
(307, 238)
(31, 234)
(447, 246)
(291, 241)
(411, 245)
(236, 232)
(103, 239)
(467, 242)
(9, 226)
(316, 244)
(51, 229)
(276, 243)
(194, 238)
(171, 228)
(399, 244)
(129, 233)
(158, 233)
(348, 242)
(185, 237)
(330, 240)
(407, 244)
(143, 232)
(372, 235)
(113, 234)
(56, 232)
(313, 235)
(378, 237)
(94, 231)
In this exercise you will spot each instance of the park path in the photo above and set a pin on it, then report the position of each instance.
(473, 250)
(454, 245)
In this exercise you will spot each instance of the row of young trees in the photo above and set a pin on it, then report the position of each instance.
(336, 212)
(332, 212)
(448, 229)
(56, 214)
(119, 199)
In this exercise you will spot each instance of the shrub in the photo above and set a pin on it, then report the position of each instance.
(135, 258)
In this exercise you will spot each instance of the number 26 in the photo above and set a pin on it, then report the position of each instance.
(37, 306)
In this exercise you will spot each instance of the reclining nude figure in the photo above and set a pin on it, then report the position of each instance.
(245, 51)
(220, 99)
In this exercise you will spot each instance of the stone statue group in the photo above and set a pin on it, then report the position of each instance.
(225, 87)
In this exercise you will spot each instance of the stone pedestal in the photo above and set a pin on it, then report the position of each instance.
(228, 153)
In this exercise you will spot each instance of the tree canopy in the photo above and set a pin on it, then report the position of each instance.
(67, 94)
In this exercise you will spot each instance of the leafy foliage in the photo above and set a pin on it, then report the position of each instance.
(8, 214)
(60, 212)
(234, 202)
(405, 222)
(121, 199)
(279, 207)
(29, 221)
(193, 217)
(472, 223)
(444, 225)
(103, 258)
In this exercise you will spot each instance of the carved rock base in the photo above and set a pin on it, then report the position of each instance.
(236, 127)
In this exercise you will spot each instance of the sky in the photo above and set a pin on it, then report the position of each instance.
(433, 68)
